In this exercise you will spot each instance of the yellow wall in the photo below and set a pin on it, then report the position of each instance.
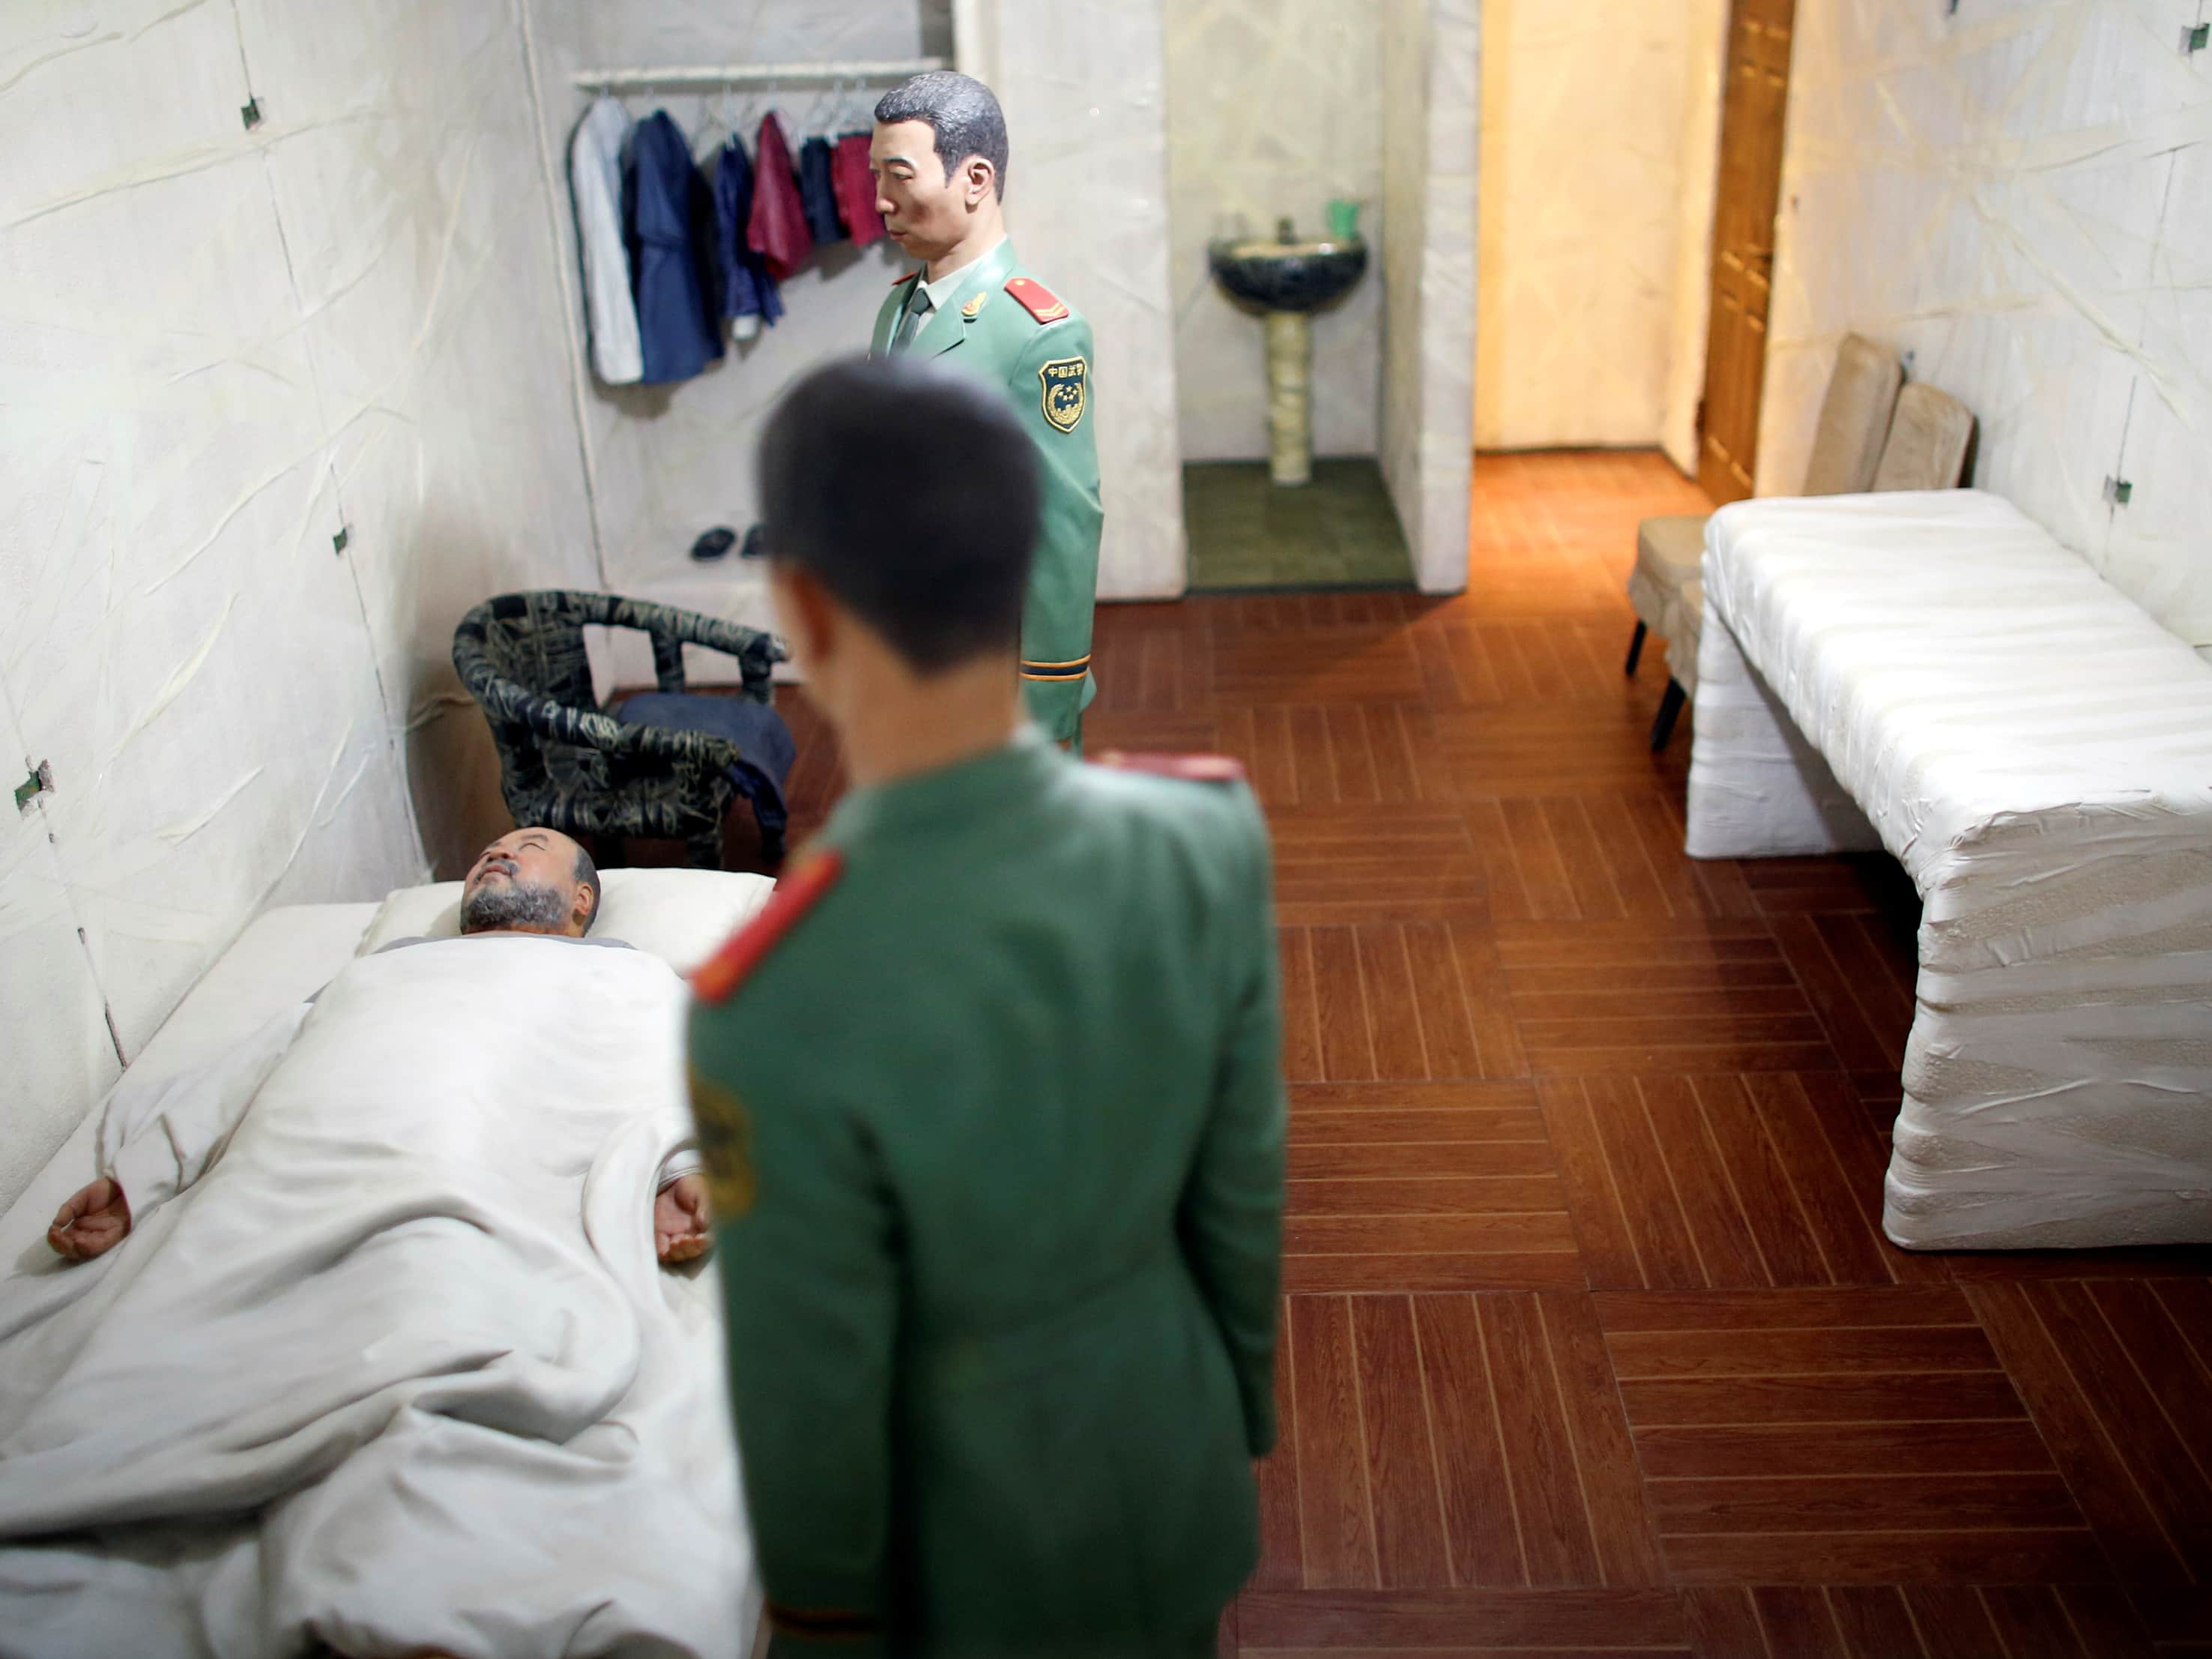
(1597, 154)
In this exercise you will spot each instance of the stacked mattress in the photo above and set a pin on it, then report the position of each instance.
(1932, 673)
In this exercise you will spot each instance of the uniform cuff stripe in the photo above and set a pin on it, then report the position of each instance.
(1056, 670)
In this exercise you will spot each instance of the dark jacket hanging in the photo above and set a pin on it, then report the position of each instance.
(747, 288)
(777, 230)
(667, 198)
(817, 192)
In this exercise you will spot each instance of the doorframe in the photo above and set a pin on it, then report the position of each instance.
(1696, 467)
(1683, 426)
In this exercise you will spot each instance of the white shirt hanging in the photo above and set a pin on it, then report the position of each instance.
(595, 176)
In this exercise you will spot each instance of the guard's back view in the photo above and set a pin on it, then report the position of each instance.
(990, 1097)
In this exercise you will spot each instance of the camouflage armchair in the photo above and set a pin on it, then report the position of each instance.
(566, 764)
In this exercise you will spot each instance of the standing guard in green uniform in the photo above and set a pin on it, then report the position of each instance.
(940, 160)
(990, 1099)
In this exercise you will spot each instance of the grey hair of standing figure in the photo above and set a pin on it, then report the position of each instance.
(960, 109)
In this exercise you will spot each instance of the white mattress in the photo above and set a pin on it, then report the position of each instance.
(1932, 673)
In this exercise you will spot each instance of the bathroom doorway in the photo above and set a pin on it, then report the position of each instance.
(1276, 120)
(1596, 235)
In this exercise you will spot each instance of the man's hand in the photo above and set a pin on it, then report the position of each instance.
(92, 1223)
(679, 1219)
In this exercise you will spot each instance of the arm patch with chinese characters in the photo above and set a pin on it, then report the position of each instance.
(1067, 391)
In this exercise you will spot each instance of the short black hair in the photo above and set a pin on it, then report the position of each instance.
(587, 875)
(960, 111)
(910, 490)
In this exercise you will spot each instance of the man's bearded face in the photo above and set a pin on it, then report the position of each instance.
(509, 902)
(524, 880)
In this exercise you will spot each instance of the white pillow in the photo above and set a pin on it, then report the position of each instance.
(680, 916)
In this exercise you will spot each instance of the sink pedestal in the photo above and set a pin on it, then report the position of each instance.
(1286, 279)
(1290, 396)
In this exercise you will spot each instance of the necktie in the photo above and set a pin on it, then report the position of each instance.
(916, 311)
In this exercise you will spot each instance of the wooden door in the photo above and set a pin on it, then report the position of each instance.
(1750, 186)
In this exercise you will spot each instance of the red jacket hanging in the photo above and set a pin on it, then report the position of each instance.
(777, 231)
(856, 190)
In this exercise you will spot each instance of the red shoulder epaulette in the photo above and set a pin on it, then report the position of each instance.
(1191, 768)
(1040, 301)
(900, 281)
(721, 975)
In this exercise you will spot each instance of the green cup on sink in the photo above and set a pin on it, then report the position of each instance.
(1343, 219)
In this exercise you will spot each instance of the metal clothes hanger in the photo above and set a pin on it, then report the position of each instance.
(857, 114)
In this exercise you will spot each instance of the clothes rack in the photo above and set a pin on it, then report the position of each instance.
(730, 75)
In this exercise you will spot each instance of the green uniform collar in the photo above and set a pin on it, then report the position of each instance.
(947, 325)
(976, 788)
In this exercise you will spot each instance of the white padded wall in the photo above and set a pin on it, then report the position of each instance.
(224, 345)
(1431, 68)
(2020, 197)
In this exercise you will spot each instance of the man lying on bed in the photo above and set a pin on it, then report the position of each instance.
(533, 881)
(366, 1345)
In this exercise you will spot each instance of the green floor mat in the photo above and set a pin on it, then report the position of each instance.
(1339, 530)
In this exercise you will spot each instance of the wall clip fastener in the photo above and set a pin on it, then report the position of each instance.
(2195, 37)
(339, 542)
(2116, 491)
(250, 112)
(41, 782)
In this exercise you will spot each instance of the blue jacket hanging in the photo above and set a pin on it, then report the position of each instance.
(667, 199)
(747, 288)
(819, 192)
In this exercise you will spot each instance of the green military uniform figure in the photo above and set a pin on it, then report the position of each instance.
(1011, 1089)
(999, 321)
(990, 1099)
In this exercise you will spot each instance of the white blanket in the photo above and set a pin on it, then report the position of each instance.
(398, 1369)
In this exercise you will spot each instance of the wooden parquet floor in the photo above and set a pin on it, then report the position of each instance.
(1592, 1342)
